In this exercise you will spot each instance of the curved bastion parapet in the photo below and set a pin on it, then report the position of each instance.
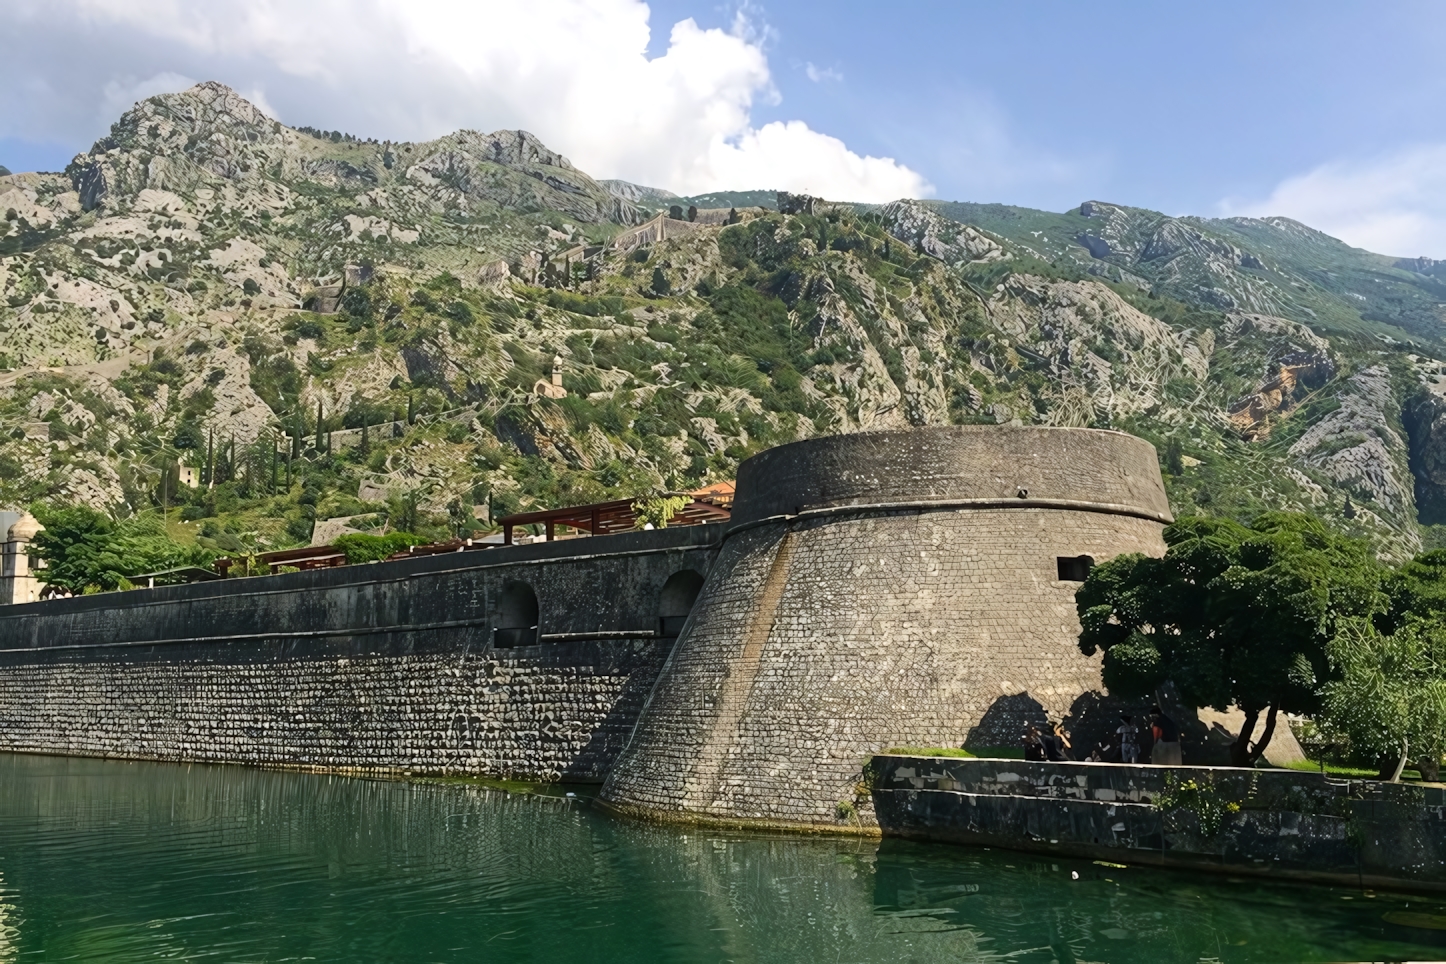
(892, 589)
(1051, 467)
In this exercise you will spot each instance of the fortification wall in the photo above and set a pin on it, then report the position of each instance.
(394, 666)
(882, 590)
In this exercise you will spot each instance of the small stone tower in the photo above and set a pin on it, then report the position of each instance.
(17, 577)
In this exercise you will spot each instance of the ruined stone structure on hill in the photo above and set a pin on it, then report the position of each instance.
(871, 591)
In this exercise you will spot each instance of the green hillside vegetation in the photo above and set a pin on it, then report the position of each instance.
(163, 318)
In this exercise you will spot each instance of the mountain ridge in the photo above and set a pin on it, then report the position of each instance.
(155, 319)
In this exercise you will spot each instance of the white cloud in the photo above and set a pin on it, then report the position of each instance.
(1392, 204)
(574, 72)
(820, 74)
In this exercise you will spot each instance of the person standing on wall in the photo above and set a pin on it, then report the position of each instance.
(1033, 744)
(1166, 751)
(1129, 745)
(1056, 743)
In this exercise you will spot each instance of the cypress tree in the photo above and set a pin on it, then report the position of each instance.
(1174, 457)
(320, 416)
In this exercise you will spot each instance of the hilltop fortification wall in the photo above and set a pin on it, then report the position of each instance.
(526, 662)
(880, 590)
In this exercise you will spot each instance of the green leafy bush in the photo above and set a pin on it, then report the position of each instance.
(359, 547)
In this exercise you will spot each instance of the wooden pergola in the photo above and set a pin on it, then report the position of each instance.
(307, 557)
(711, 504)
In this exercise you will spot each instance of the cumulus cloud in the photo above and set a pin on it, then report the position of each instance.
(1393, 204)
(574, 72)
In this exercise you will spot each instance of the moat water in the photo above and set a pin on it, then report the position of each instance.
(111, 861)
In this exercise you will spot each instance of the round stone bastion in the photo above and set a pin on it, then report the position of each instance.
(880, 590)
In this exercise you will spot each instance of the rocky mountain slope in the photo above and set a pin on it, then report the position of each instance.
(256, 328)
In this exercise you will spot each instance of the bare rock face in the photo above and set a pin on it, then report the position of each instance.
(1425, 419)
(949, 241)
(1359, 450)
(206, 270)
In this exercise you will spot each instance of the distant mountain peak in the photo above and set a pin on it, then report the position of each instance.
(638, 193)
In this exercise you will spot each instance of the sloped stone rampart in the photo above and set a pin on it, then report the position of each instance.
(840, 621)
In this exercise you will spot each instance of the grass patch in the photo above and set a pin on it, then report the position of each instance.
(1312, 766)
(979, 752)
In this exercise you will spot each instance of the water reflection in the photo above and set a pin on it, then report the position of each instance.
(123, 861)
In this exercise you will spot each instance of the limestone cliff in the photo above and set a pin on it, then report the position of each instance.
(314, 322)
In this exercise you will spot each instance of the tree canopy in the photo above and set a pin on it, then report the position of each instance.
(1389, 695)
(1232, 614)
(361, 547)
(85, 551)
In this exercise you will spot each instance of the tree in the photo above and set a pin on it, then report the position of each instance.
(658, 510)
(1416, 588)
(359, 547)
(660, 283)
(1389, 699)
(85, 551)
(1174, 458)
(356, 302)
(1231, 615)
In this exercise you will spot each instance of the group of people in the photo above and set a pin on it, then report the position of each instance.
(1052, 743)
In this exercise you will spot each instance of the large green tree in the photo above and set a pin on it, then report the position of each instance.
(1232, 614)
(1389, 694)
(85, 551)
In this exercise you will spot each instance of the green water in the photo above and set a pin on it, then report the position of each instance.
(107, 861)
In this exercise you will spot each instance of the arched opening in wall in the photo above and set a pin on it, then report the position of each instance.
(676, 602)
(1074, 568)
(516, 616)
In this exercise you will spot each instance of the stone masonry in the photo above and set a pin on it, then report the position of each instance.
(391, 667)
(890, 589)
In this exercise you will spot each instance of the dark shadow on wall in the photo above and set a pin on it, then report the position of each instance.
(1201, 743)
(1093, 718)
(1002, 725)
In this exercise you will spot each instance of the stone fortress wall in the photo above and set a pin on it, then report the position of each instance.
(881, 590)
(526, 662)
(874, 590)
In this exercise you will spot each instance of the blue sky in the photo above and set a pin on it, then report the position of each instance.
(1169, 106)
(1328, 112)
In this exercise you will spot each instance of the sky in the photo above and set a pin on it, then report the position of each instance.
(1329, 113)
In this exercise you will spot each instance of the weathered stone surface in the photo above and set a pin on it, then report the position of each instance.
(1284, 823)
(822, 640)
(879, 590)
(386, 667)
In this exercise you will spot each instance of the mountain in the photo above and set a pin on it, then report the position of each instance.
(1267, 265)
(314, 326)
